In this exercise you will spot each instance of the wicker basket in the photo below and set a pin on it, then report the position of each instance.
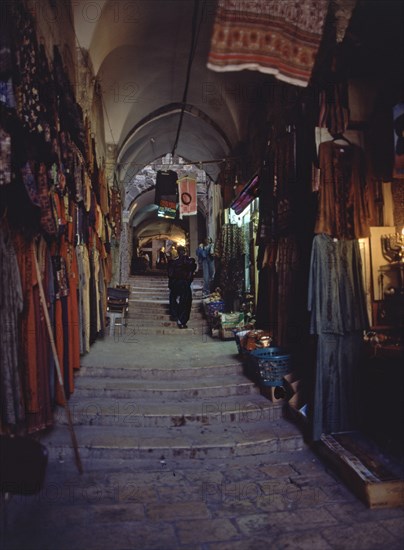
(270, 365)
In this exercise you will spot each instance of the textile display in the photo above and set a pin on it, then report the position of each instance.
(230, 248)
(11, 304)
(337, 304)
(5, 157)
(398, 115)
(334, 111)
(342, 206)
(273, 37)
(187, 194)
(246, 196)
(57, 208)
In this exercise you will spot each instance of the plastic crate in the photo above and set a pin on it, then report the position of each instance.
(211, 307)
(270, 364)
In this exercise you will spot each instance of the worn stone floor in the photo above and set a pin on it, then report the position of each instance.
(218, 499)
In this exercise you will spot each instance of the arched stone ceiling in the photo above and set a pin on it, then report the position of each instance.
(139, 53)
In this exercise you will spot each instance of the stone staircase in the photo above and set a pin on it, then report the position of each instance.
(149, 307)
(157, 393)
(142, 412)
(179, 450)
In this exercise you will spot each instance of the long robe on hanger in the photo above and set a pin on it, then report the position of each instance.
(337, 303)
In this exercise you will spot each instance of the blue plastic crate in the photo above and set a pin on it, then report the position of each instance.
(270, 364)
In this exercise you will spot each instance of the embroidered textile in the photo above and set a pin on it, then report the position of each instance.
(276, 37)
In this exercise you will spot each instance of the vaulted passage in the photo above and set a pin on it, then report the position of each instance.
(201, 262)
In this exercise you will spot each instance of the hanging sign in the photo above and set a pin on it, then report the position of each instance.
(187, 193)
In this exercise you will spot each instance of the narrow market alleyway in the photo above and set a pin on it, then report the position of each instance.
(180, 450)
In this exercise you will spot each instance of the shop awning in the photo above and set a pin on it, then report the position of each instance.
(246, 195)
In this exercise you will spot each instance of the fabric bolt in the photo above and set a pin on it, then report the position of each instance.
(273, 37)
(342, 203)
(11, 305)
(337, 303)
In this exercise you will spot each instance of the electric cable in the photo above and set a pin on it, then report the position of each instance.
(195, 36)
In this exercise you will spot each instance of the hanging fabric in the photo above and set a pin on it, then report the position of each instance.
(246, 195)
(275, 37)
(342, 205)
(11, 304)
(337, 303)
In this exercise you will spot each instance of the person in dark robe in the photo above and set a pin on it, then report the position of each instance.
(180, 276)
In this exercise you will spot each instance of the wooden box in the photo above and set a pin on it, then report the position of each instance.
(371, 476)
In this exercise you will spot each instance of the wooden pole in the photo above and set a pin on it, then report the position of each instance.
(57, 364)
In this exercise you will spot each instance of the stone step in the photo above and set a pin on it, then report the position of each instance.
(131, 333)
(159, 304)
(134, 372)
(162, 289)
(130, 413)
(212, 387)
(136, 321)
(149, 316)
(224, 440)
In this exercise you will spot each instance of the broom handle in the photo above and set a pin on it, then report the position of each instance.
(57, 365)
